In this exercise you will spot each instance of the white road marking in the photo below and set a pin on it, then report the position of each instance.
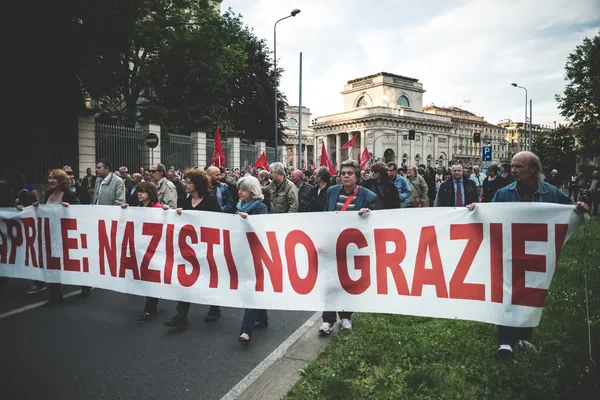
(256, 373)
(34, 305)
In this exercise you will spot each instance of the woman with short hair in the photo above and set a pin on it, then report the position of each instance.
(147, 197)
(250, 192)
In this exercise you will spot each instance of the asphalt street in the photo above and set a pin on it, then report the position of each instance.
(92, 349)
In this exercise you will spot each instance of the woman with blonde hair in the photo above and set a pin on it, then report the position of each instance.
(59, 193)
(250, 192)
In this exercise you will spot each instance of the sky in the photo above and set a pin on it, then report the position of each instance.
(459, 50)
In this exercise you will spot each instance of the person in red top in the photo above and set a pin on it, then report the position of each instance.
(147, 197)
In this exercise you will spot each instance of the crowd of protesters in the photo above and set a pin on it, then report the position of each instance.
(253, 192)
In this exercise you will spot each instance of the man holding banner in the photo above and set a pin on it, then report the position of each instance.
(347, 197)
(527, 187)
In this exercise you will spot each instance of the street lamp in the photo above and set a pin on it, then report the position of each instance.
(521, 87)
(292, 14)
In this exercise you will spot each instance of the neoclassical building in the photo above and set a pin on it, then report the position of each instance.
(290, 137)
(381, 109)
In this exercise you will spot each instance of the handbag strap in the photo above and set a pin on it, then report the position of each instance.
(349, 199)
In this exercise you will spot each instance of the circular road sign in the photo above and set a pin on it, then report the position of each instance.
(152, 140)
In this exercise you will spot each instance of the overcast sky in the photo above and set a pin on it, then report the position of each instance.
(460, 50)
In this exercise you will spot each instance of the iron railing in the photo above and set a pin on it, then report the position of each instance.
(121, 145)
(176, 151)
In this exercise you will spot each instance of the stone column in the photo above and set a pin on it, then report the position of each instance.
(295, 156)
(363, 142)
(151, 156)
(316, 149)
(305, 157)
(435, 154)
(233, 158)
(338, 152)
(86, 139)
(260, 146)
(199, 149)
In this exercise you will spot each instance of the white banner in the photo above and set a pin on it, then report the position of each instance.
(493, 264)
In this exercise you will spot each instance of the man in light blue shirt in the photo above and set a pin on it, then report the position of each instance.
(478, 177)
(401, 183)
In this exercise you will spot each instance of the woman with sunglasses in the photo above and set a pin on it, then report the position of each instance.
(147, 197)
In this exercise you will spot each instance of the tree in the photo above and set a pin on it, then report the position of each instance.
(191, 69)
(580, 101)
(557, 151)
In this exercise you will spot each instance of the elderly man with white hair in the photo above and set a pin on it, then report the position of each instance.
(304, 190)
(281, 192)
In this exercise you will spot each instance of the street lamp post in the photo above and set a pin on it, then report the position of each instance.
(292, 14)
(521, 87)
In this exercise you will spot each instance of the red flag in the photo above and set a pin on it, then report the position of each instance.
(364, 158)
(261, 162)
(350, 142)
(325, 161)
(218, 158)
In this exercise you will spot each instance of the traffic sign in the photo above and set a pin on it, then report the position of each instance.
(152, 140)
(486, 153)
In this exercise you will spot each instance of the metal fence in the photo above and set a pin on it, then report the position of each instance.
(270, 154)
(248, 155)
(176, 151)
(121, 145)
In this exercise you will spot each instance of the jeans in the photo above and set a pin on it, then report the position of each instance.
(330, 316)
(183, 308)
(510, 335)
(151, 305)
(252, 315)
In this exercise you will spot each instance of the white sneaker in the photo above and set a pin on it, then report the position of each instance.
(325, 329)
(346, 324)
(505, 351)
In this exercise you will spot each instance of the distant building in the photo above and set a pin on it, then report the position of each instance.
(380, 110)
(290, 137)
(465, 124)
(517, 134)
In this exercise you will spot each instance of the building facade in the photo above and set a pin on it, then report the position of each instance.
(380, 110)
(517, 134)
(290, 137)
(465, 124)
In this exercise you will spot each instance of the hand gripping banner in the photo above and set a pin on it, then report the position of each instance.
(493, 264)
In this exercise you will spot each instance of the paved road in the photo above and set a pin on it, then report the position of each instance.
(91, 349)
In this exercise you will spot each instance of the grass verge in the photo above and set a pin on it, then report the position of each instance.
(403, 357)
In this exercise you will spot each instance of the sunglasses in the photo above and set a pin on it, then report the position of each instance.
(151, 171)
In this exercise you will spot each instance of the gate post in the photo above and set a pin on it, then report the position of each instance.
(260, 146)
(199, 150)
(234, 152)
(86, 144)
(151, 156)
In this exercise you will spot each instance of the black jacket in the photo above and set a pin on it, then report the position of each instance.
(68, 197)
(389, 198)
(446, 196)
(430, 181)
(304, 197)
(317, 200)
(490, 190)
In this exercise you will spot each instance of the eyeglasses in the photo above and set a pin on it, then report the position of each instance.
(349, 173)
(151, 171)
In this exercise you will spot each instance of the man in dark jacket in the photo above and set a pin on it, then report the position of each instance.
(319, 191)
(387, 193)
(457, 191)
(304, 189)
